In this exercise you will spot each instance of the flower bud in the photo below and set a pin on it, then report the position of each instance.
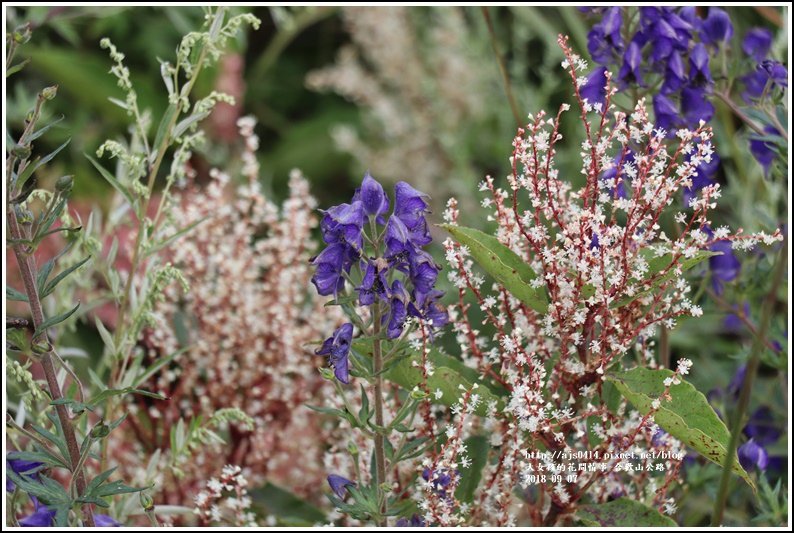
(146, 502)
(327, 373)
(64, 184)
(417, 394)
(22, 34)
(21, 151)
(48, 93)
(100, 431)
(352, 448)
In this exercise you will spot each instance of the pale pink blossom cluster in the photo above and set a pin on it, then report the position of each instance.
(609, 250)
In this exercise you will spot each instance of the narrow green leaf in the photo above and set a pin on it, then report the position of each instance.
(110, 178)
(272, 500)
(44, 129)
(57, 279)
(687, 417)
(13, 294)
(622, 512)
(477, 448)
(187, 122)
(501, 263)
(157, 365)
(109, 393)
(38, 163)
(173, 238)
(54, 320)
(163, 134)
(16, 68)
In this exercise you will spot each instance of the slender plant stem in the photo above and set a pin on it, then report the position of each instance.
(747, 385)
(380, 455)
(27, 269)
(502, 68)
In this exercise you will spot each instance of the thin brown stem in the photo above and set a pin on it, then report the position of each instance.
(380, 454)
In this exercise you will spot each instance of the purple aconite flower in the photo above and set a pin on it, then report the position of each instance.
(337, 348)
(605, 38)
(776, 71)
(375, 284)
(410, 206)
(339, 485)
(331, 265)
(717, 28)
(724, 268)
(398, 240)
(752, 455)
(415, 521)
(674, 73)
(699, 72)
(343, 224)
(666, 112)
(695, 106)
(632, 61)
(735, 386)
(372, 197)
(43, 516)
(762, 427)
(24, 468)
(764, 151)
(593, 90)
(757, 43)
(398, 310)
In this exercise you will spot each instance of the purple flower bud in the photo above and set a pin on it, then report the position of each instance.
(752, 455)
(397, 239)
(410, 206)
(330, 264)
(343, 223)
(42, 517)
(674, 74)
(632, 61)
(593, 90)
(695, 106)
(423, 271)
(415, 521)
(398, 310)
(337, 348)
(372, 197)
(776, 71)
(757, 43)
(735, 386)
(762, 427)
(699, 72)
(339, 485)
(666, 112)
(717, 28)
(375, 283)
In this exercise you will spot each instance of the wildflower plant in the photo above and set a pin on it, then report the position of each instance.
(582, 280)
(376, 269)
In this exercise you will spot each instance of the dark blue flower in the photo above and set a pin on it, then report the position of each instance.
(699, 72)
(757, 43)
(717, 28)
(330, 266)
(776, 71)
(735, 386)
(339, 484)
(337, 348)
(725, 267)
(674, 74)
(752, 455)
(632, 61)
(605, 38)
(373, 198)
(343, 223)
(103, 520)
(398, 241)
(595, 244)
(43, 516)
(764, 151)
(732, 322)
(375, 284)
(415, 521)
(762, 427)
(695, 106)
(593, 90)
(410, 206)
(427, 308)
(423, 271)
(439, 480)
(24, 468)
(398, 310)
(666, 112)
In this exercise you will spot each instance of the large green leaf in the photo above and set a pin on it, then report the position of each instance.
(687, 417)
(448, 377)
(622, 512)
(502, 264)
(271, 500)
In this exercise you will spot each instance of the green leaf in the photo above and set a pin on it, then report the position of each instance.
(39, 162)
(173, 238)
(657, 264)
(108, 393)
(272, 500)
(54, 320)
(623, 512)
(13, 294)
(477, 448)
(501, 263)
(165, 124)
(110, 178)
(44, 129)
(687, 417)
(57, 279)
(187, 122)
(16, 68)
(449, 375)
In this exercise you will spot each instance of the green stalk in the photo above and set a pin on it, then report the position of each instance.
(758, 347)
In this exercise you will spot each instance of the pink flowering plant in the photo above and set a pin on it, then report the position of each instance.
(563, 377)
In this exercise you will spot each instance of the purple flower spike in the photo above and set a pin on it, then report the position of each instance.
(762, 427)
(717, 28)
(373, 197)
(605, 37)
(330, 264)
(757, 43)
(339, 485)
(337, 348)
(753, 455)
(593, 89)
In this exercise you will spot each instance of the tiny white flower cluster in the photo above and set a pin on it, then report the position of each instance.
(225, 500)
